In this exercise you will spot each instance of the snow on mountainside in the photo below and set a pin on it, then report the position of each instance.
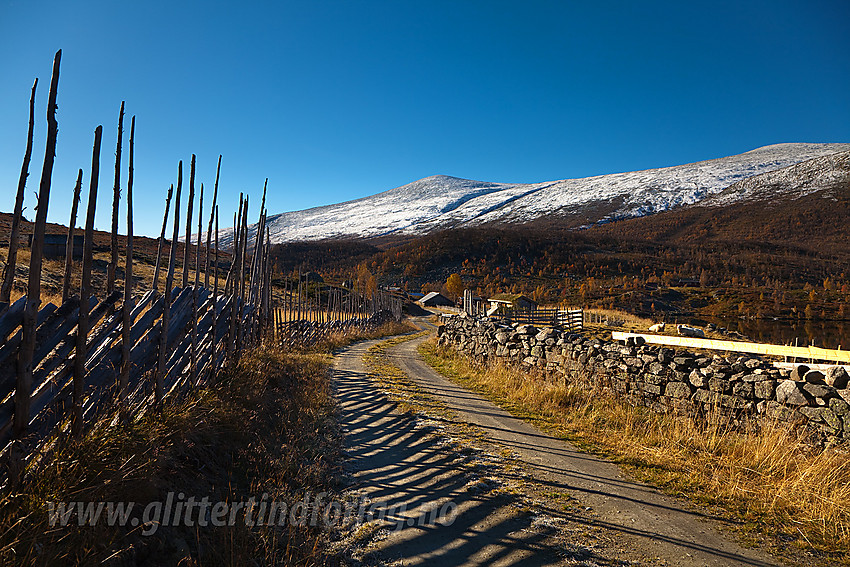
(442, 202)
(826, 175)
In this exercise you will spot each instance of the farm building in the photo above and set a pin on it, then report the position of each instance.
(512, 300)
(436, 299)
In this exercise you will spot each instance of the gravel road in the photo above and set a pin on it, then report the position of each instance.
(393, 457)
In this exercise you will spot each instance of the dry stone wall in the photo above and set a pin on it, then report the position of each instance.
(745, 388)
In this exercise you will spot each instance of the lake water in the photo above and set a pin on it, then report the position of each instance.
(826, 334)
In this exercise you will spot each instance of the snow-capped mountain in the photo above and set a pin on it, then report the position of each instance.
(443, 202)
(824, 175)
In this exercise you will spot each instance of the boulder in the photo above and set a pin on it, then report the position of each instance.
(687, 331)
(819, 390)
(765, 390)
(837, 377)
(697, 379)
(789, 392)
(799, 372)
(814, 377)
(677, 390)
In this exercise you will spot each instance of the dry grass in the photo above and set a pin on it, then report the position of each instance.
(336, 341)
(266, 427)
(618, 318)
(769, 481)
(53, 271)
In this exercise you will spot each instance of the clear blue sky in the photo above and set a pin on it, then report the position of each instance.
(337, 100)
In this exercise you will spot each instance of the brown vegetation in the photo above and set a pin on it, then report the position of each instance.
(264, 428)
(769, 481)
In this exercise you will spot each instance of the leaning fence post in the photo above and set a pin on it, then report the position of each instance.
(23, 388)
(243, 252)
(69, 244)
(209, 228)
(193, 354)
(124, 379)
(9, 272)
(161, 240)
(189, 222)
(116, 197)
(214, 362)
(232, 282)
(166, 306)
(80, 353)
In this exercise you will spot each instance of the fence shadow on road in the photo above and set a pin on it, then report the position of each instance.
(396, 460)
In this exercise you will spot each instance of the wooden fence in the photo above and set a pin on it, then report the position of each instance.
(61, 366)
(805, 353)
(568, 319)
(310, 311)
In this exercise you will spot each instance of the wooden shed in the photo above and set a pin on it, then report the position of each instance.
(510, 301)
(436, 299)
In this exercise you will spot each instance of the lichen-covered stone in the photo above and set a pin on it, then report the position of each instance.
(764, 390)
(789, 393)
(677, 390)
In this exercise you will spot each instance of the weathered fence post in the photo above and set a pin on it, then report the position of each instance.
(159, 375)
(243, 250)
(193, 353)
(80, 353)
(12, 259)
(233, 284)
(124, 379)
(69, 244)
(116, 197)
(214, 363)
(161, 241)
(23, 388)
(188, 238)
(213, 212)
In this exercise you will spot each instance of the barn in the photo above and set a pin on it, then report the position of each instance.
(436, 299)
(510, 301)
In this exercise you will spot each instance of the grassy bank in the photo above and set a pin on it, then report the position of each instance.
(264, 428)
(769, 482)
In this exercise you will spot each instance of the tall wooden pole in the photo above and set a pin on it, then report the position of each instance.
(116, 197)
(12, 259)
(23, 388)
(240, 327)
(69, 244)
(193, 354)
(80, 354)
(214, 361)
(209, 228)
(166, 306)
(124, 379)
(161, 240)
(189, 222)
(233, 283)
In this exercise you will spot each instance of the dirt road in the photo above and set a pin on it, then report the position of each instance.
(394, 459)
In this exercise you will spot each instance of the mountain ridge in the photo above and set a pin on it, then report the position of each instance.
(438, 202)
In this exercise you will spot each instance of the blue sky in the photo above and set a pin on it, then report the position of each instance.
(337, 100)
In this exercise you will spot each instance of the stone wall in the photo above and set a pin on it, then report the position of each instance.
(745, 388)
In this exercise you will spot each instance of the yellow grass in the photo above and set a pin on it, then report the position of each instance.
(53, 271)
(617, 318)
(768, 480)
(265, 428)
